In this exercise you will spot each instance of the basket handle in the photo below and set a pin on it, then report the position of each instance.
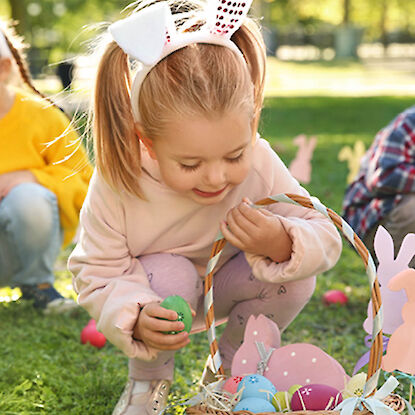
(376, 350)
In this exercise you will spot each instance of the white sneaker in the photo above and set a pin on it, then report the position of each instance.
(60, 305)
(143, 398)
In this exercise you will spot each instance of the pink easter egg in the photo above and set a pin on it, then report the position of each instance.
(334, 297)
(315, 397)
(232, 383)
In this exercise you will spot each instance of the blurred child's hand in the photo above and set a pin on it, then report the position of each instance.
(13, 178)
(150, 329)
(257, 231)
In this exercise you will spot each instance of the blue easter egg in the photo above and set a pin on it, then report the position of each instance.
(256, 386)
(254, 405)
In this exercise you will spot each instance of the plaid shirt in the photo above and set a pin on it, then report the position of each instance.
(386, 173)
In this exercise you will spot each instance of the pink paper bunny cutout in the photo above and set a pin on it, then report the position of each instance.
(388, 267)
(258, 329)
(299, 363)
(300, 167)
(400, 354)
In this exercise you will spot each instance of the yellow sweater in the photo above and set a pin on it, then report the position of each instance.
(36, 136)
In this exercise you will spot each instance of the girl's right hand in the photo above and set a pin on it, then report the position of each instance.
(149, 328)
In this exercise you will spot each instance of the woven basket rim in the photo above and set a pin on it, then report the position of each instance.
(376, 350)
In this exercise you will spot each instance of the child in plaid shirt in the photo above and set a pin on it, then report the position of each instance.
(383, 192)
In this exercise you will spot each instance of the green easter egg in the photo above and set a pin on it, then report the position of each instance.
(281, 401)
(294, 388)
(180, 306)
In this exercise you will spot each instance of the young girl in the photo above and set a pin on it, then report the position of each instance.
(178, 156)
(42, 183)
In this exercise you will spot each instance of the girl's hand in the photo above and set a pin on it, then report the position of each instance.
(257, 231)
(13, 178)
(149, 328)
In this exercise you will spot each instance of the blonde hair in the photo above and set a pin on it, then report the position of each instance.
(200, 79)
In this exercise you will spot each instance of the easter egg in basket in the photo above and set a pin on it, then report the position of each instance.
(315, 397)
(255, 405)
(231, 384)
(180, 306)
(281, 401)
(256, 386)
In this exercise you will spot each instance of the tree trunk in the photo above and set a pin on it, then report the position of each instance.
(382, 25)
(18, 13)
(346, 12)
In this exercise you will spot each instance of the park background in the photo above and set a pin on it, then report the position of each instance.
(337, 69)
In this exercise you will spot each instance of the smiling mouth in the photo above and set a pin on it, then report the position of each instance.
(208, 194)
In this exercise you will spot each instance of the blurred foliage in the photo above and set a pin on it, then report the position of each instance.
(57, 27)
(61, 26)
(378, 17)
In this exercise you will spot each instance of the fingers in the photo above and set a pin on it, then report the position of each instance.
(164, 341)
(156, 326)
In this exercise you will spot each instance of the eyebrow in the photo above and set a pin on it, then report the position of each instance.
(227, 154)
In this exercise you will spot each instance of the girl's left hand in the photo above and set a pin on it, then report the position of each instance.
(13, 178)
(257, 231)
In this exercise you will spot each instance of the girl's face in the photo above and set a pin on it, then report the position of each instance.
(5, 70)
(204, 159)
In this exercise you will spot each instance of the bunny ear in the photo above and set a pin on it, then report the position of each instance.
(262, 329)
(407, 250)
(225, 17)
(345, 153)
(383, 245)
(144, 34)
(249, 328)
(312, 142)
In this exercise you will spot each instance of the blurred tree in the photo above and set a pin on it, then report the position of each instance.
(58, 26)
(383, 20)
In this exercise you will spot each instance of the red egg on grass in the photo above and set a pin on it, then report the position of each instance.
(90, 334)
(334, 297)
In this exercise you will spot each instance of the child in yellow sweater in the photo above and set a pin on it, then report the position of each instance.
(44, 175)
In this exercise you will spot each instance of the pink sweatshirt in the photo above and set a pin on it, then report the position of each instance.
(117, 228)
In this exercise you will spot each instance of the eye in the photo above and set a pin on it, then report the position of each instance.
(188, 168)
(235, 159)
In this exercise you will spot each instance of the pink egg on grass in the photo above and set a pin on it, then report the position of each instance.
(90, 334)
(231, 384)
(315, 397)
(334, 297)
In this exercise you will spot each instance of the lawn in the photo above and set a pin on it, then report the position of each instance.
(45, 370)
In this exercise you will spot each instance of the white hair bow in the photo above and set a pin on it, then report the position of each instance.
(150, 34)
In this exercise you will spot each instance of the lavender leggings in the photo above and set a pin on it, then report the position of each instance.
(237, 295)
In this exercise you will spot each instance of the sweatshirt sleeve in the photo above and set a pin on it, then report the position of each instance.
(109, 281)
(66, 170)
(317, 244)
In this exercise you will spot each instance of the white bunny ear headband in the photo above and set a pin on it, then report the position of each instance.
(150, 34)
(4, 48)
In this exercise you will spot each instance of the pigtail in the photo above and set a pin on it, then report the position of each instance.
(116, 145)
(20, 60)
(250, 42)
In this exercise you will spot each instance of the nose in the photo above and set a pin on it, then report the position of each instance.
(215, 176)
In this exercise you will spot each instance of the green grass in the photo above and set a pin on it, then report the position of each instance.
(45, 370)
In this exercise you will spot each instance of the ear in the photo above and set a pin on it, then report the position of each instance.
(147, 142)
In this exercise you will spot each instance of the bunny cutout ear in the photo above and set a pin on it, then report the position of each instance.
(143, 35)
(225, 17)
(383, 244)
(407, 250)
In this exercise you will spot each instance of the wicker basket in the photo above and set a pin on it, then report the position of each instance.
(376, 350)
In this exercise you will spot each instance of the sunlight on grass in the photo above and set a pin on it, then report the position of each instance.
(337, 78)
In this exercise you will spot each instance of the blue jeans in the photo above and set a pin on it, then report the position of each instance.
(30, 235)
